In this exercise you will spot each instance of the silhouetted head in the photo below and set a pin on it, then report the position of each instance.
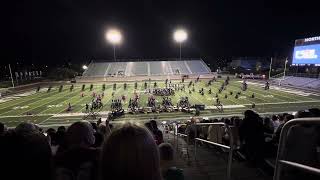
(130, 152)
(80, 134)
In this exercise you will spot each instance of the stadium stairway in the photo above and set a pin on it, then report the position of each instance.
(211, 163)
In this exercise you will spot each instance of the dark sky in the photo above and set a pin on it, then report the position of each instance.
(54, 31)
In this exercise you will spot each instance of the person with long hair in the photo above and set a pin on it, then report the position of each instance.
(131, 153)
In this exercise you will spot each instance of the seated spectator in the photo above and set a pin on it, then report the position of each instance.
(99, 121)
(235, 132)
(99, 138)
(303, 114)
(276, 136)
(156, 132)
(3, 129)
(268, 126)
(52, 138)
(25, 156)
(275, 121)
(148, 126)
(94, 126)
(61, 129)
(214, 134)
(225, 132)
(130, 153)
(168, 169)
(104, 130)
(204, 130)
(76, 157)
(252, 137)
(26, 128)
(191, 130)
(315, 112)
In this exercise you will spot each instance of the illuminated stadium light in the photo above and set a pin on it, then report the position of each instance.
(180, 35)
(84, 67)
(114, 36)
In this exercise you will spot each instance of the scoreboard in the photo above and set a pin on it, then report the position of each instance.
(307, 51)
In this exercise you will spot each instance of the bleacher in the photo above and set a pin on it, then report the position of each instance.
(149, 68)
(301, 82)
(205, 159)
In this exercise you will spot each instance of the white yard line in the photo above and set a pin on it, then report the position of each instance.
(48, 97)
(284, 90)
(46, 102)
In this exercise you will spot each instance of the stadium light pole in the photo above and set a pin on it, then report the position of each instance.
(180, 35)
(114, 37)
(285, 68)
(84, 67)
(270, 68)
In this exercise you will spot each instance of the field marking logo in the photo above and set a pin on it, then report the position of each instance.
(55, 106)
(268, 96)
(20, 107)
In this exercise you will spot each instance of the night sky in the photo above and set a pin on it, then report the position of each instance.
(41, 31)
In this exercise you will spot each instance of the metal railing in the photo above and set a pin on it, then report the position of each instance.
(230, 148)
(280, 162)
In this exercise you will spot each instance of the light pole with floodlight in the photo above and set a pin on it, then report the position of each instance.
(180, 36)
(114, 37)
(285, 68)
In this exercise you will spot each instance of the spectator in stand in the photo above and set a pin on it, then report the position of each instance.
(26, 128)
(99, 121)
(3, 129)
(191, 130)
(204, 130)
(268, 126)
(315, 112)
(156, 132)
(276, 122)
(213, 133)
(60, 136)
(276, 136)
(25, 155)
(148, 126)
(225, 131)
(94, 126)
(252, 136)
(235, 132)
(102, 132)
(52, 137)
(61, 129)
(303, 114)
(105, 129)
(76, 157)
(130, 152)
(99, 138)
(167, 163)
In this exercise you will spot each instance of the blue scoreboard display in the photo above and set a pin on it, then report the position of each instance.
(307, 51)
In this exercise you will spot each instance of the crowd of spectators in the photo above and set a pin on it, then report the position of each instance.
(87, 151)
(97, 150)
(257, 138)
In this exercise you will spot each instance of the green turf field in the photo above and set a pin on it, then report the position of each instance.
(48, 108)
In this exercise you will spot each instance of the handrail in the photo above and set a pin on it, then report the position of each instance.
(229, 166)
(283, 138)
(301, 166)
(179, 134)
(213, 143)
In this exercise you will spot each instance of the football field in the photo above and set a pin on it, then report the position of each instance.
(49, 108)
